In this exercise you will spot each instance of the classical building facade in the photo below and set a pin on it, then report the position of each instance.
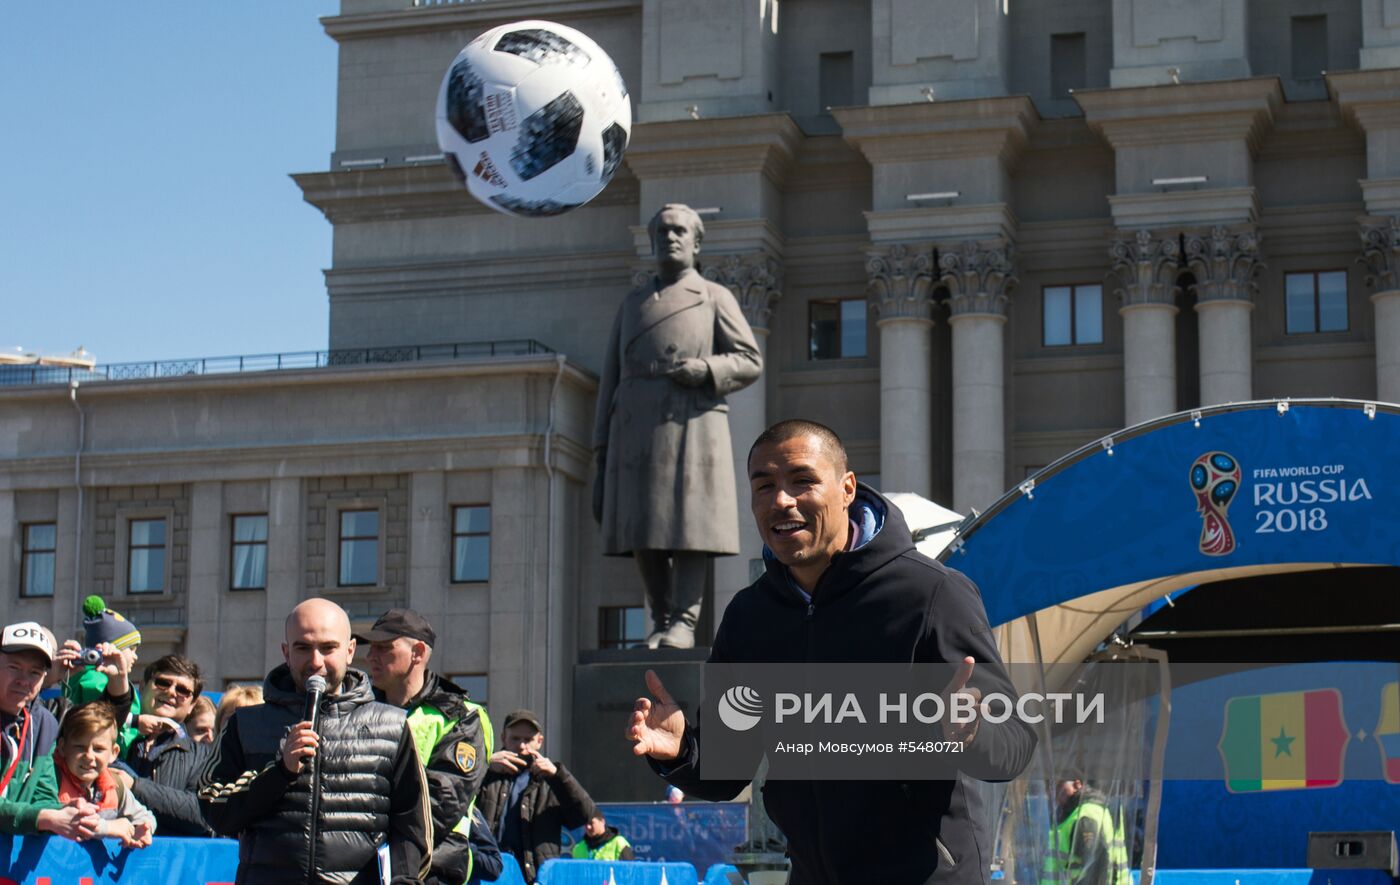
(970, 235)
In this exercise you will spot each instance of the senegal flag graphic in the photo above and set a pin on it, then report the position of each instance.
(1290, 741)
(1388, 731)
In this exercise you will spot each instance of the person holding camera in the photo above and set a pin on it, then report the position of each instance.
(527, 799)
(100, 668)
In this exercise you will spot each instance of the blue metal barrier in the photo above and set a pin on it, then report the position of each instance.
(627, 872)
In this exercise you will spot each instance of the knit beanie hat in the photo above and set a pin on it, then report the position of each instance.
(101, 624)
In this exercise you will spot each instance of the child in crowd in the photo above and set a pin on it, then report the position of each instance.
(87, 745)
(200, 722)
(236, 696)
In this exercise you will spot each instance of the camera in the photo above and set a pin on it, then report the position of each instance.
(528, 758)
(90, 657)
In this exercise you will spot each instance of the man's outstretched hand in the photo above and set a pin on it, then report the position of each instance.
(656, 726)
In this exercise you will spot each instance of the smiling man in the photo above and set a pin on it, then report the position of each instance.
(845, 584)
(313, 804)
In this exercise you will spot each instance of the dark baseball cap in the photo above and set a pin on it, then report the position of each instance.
(397, 622)
(525, 716)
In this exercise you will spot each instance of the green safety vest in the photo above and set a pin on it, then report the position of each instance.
(609, 850)
(1063, 865)
(428, 724)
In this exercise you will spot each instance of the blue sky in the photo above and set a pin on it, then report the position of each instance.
(145, 206)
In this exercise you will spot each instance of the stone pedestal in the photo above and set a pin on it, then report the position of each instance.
(606, 684)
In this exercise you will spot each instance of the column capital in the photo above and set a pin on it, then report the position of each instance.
(1224, 263)
(1145, 265)
(979, 276)
(1380, 251)
(899, 281)
(755, 278)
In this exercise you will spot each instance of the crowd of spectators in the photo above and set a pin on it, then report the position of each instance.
(401, 767)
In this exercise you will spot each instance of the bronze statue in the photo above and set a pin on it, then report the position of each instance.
(665, 491)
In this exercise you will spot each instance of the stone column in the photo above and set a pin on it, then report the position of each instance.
(979, 280)
(429, 535)
(1224, 264)
(286, 525)
(208, 554)
(756, 281)
(1380, 251)
(1146, 266)
(900, 291)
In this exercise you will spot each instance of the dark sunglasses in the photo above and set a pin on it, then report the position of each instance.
(168, 684)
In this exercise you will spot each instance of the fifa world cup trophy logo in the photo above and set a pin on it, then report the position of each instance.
(1215, 478)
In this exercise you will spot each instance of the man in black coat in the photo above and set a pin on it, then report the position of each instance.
(844, 584)
(527, 798)
(329, 803)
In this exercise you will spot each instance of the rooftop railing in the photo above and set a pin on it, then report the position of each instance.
(19, 375)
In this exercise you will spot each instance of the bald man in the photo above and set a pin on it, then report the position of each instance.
(315, 805)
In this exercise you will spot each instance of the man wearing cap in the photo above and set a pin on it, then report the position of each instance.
(452, 734)
(528, 799)
(117, 640)
(28, 784)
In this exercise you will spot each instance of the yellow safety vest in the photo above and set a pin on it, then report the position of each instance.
(1061, 862)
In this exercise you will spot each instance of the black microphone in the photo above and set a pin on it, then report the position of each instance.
(315, 688)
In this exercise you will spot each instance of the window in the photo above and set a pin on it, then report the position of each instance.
(836, 81)
(1067, 66)
(837, 329)
(1316, 301)
(476, 685)
(248, 558)
(1309, 47)
(145, 551)
(471, 543)
(40, 541)
(1072, 315)
(622, 627)
(359, 548)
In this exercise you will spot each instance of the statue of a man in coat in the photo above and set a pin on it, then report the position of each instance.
(665, 490)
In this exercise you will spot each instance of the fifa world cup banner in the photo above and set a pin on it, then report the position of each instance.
(1274, 483)
(50, 860)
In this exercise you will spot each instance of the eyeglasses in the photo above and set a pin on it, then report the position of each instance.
(169, 684)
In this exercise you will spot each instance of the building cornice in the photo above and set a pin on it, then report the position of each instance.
(1183, 113)
(485, 275)
(428, 190)
(508, 366)
(762, 143)
(457, 16)
(446, 452)
(1367, 99)
(974, 127)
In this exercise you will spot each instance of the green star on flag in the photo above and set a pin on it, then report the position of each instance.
(1308, 752)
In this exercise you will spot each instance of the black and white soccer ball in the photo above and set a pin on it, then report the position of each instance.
(534, 118)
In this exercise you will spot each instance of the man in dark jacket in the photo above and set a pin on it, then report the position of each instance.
(165, 760)
(528, 799)
(844, 584)
(313, 804)
(449, 730)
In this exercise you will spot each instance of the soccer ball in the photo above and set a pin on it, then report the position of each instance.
(534, 118)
